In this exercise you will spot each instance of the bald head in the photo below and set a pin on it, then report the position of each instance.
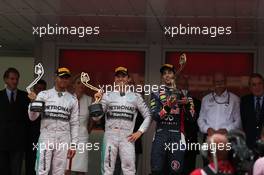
(219, 80)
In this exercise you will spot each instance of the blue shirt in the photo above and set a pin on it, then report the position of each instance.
(8, 92)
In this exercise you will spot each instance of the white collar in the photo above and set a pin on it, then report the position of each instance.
(9, 91)
(63, 92)
(261, 97)
(224, 94)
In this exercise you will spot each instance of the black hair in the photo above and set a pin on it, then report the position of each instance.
(11, 70)
(43, 82)
(121, 73)
(255, 75)
(167, 69)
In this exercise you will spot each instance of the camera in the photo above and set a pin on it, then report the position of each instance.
(240, 155)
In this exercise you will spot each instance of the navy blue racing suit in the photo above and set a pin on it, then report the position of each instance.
(168, 145)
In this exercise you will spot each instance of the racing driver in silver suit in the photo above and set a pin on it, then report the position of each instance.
(59, 126)
(121, 107)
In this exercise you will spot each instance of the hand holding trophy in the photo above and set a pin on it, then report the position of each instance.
(36, 106)
(96, 108)
(182, 63)
(186, 100)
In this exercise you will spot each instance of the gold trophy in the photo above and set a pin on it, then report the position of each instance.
(182, 63)
(96, 108)
(36, 106)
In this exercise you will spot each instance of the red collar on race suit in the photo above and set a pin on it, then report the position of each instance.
(224, 167)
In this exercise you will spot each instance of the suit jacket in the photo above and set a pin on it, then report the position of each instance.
(249, 120)
(191, 128)
(14, 121)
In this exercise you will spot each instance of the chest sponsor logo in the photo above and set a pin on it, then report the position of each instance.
(120, 115)
(57, 112)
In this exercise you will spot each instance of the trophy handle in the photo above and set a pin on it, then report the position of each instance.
(39, 70)
(182, 63)
(85, 79)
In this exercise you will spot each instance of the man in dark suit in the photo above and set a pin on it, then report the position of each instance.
(13, 124)
(252, 110)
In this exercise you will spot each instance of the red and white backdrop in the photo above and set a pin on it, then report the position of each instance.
(100, 64)
(201, 66)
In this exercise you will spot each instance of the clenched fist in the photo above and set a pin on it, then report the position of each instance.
(98, 95)
(32, 96)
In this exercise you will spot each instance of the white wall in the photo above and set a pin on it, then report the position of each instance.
(25, 66)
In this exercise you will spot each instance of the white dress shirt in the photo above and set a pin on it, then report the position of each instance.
(8, 92)
(220, 112)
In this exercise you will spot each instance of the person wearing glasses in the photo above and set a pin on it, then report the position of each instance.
(220, 109)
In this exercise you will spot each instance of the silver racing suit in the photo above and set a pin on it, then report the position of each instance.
(59, 131)
(120, 116)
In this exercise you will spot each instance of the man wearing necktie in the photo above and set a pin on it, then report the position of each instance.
(258, 106)
(252, 110)
(12, 97)
(13, 124)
